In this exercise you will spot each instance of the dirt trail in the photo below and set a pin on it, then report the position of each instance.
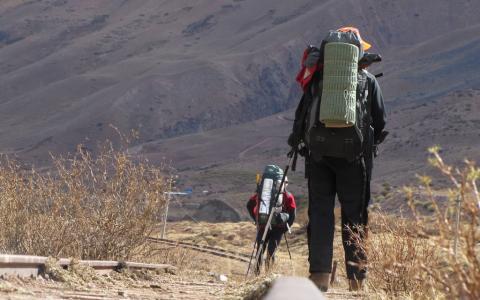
(164, 287)
(242, 154)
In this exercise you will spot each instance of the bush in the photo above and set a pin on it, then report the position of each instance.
(436, 254)
(89, 206)
(395, 252)
(458, 229)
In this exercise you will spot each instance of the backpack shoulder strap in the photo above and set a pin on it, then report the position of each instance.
(314, 109)
(363, 94)
(300, 123)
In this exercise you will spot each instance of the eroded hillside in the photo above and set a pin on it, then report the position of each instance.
(210, 84)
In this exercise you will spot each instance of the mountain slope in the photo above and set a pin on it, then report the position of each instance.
(210, 84)
(176, 67)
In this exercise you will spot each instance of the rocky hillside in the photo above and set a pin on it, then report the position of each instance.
(207, 82)
(70, 68)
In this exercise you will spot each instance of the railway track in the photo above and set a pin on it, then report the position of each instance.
(28, 266)
(242, 257)
(162, 288)
(37, 283)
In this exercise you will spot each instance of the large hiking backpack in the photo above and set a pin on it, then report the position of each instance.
(338, 117)
(267, 190)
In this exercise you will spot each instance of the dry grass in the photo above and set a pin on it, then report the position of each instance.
(237, 237)
(420, 258)
(409, 258)
(89, 206)
(185, 260)
(395, 253)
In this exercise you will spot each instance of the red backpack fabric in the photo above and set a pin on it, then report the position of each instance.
(288, 203)
(309, 66)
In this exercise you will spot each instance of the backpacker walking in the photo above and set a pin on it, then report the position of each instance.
(262, 203)
(338, 123)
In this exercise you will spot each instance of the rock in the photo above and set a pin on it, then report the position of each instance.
(91, 285)
(222, 278)
(216, 211)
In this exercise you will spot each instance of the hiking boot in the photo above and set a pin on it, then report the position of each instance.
(355, 285)
(321, 280)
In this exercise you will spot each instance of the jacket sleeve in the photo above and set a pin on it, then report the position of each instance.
(252, 202)
(378, 113)
(291, 208)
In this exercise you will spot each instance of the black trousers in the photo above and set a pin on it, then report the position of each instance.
(272, 240)
(327, 178)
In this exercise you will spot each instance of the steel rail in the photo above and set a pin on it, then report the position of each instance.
(205, 249)
(27, 265)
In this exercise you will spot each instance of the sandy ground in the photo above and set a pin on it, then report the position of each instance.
(197, 276)
(158, 287)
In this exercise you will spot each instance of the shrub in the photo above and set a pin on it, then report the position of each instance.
(395, 252)
(435, 254)
(88, 206)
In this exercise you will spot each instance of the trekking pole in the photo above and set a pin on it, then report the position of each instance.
(251, 257)
(334, 272)
(288, 247)
(270, 216)
(286, 241)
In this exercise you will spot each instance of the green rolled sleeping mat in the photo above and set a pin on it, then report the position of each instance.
(339, 95)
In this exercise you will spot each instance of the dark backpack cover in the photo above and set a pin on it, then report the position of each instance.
(267, 190)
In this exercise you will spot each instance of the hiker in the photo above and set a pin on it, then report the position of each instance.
(339, 123)
(259, 211)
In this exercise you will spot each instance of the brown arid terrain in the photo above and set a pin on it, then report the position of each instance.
(208, 88)
(111, 207)
(210, 84)
(400, 257)
(197, 276)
